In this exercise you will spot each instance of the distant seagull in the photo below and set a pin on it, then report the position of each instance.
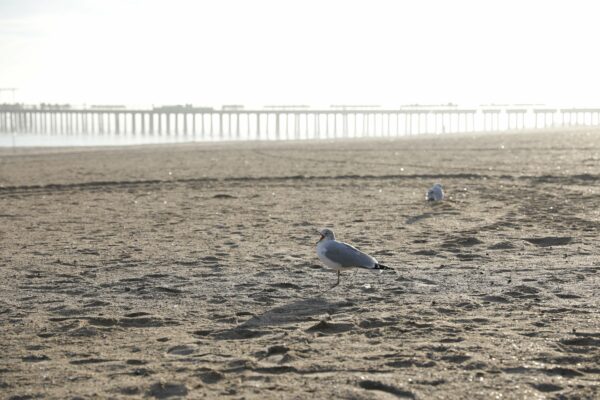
(436, 193)
(340, 256)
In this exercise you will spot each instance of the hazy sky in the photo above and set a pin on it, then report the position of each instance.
(316, 52)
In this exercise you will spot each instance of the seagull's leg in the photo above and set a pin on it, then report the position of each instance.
(338, 280)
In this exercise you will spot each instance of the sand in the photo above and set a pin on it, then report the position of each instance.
(190, 270)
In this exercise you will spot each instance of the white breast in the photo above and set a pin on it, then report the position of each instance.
(321, 254)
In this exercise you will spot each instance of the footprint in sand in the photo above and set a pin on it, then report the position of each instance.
(549, 241)
(209, 376)
(162, 390)
(329, 328)
(181, 350)
(383, 387)
(546, 387)
(35, 358)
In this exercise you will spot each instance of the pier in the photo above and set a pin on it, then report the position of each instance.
(236, 123)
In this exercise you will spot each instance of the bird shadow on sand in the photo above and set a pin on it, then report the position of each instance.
(292, 313)
(436, 209)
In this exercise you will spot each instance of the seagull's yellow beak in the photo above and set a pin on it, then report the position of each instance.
(322, 237)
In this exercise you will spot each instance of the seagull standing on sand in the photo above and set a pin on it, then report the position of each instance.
(340, 256)
(436, 193)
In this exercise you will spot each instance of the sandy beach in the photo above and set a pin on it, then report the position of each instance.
(189, 270)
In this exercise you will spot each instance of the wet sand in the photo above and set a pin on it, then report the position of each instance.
(190, 270)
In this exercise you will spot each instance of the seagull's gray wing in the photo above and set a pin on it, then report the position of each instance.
(348, 256)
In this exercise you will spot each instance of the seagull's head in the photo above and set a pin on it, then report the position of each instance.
(326, 234)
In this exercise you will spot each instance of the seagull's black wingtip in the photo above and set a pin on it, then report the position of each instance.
(381, 266)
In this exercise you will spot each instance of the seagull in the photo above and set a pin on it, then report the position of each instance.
(339, 256)
(436, 193)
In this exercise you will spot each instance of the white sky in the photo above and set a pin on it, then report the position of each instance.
(314, 52)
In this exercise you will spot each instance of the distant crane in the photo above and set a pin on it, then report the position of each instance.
(13, 90)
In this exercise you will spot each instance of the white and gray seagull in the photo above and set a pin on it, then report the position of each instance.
(340, 256)
(436, 193)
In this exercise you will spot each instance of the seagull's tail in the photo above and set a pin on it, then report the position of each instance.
(381, 266)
